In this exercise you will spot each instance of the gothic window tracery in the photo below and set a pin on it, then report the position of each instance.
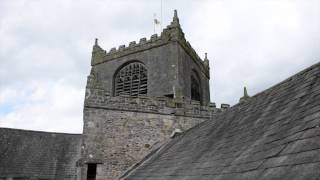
(132, 80)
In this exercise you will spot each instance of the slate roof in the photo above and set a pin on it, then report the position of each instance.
(26, 153)
(273, 135)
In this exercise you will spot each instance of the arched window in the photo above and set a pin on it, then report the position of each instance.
(131, 80)
(195, 87)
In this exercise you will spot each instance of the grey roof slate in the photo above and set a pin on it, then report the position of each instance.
(26, 153)
(272, 135)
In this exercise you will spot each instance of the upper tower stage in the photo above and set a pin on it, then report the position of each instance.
(164, 65)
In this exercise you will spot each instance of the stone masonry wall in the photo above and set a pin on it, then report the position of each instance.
(120, 131)
(161, 63)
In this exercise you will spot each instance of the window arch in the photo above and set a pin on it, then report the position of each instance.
(195, 87)
(131, 79)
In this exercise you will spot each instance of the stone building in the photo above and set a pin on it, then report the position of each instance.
(136, 96)
(148, 115)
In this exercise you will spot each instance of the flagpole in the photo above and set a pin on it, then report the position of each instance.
(154, 24)
(161, 16)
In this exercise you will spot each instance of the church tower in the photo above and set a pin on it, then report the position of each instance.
(164, 66)
(136, 96)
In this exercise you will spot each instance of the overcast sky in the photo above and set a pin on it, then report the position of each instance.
(45, 48)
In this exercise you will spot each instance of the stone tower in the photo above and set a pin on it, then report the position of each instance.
(136, 96)
(171, 67)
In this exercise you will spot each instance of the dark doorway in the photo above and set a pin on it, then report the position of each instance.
(169, 95)
(92, 172)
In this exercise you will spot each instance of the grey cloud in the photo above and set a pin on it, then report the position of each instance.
(252, 43)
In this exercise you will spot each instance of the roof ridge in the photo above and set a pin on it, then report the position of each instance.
(38, 131)
(301, 72)
(288, 79)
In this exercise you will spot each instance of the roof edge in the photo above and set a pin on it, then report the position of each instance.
(38, 131)
(290, 78)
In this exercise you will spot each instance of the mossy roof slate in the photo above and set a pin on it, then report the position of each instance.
(273, 135)
(25, 153)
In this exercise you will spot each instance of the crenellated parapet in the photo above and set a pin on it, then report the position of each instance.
(99, 98)
(172, 33)
(100, 55)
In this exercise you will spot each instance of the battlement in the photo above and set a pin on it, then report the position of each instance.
(99, 98)
(172, 33)
(124, 50)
